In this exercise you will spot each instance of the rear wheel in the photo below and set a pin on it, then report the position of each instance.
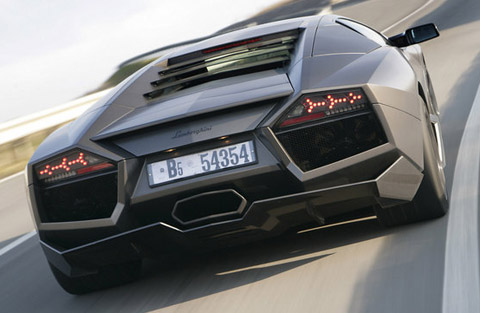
(431, 198)
(106, 277)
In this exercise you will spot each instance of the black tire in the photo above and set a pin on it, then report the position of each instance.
(106, 277)
(431, 198)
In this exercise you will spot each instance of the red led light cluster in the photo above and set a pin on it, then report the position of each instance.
(70, 164)
(331, 101)
(64, 165)
(320, 105)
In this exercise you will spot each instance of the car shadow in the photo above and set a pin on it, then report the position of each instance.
(407, 275)
(179, 280)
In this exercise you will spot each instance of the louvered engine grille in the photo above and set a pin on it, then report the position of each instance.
(233, 59)
(318, 145)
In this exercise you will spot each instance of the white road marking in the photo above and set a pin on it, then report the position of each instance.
(10, 177)
(408, 16)
(17, 242)
(461, 285)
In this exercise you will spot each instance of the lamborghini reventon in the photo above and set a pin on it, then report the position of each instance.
(239, 137)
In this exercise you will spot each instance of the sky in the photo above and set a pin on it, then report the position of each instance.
(52, 51)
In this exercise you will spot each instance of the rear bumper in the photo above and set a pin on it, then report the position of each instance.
(275, 194)
(261, 219)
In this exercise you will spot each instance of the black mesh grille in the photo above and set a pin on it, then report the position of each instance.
(322, 144)
(81, 200)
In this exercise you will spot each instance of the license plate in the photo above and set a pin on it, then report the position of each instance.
(200, 163)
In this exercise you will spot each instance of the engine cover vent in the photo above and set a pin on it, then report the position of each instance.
(228, 60)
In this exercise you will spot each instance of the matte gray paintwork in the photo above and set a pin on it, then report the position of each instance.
(403, 131)
(206, 128)
(219, 95)
(337, 39)
(389, 81)
(400, 181)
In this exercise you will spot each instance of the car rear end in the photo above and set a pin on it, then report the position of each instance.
(223, 145)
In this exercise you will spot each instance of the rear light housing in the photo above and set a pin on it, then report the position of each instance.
(322, 105)
(70, 164)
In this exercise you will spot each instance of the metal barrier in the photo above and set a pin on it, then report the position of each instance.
(20, 137)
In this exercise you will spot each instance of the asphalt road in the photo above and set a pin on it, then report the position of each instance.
(356, 267)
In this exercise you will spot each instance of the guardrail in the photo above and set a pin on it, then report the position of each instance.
(21, 136)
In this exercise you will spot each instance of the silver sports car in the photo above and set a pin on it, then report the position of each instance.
(239, 137)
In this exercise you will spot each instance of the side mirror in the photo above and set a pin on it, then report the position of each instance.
(415, 35)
